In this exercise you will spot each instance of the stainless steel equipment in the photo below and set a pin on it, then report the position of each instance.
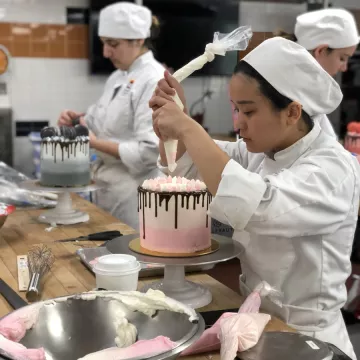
(40, 261)
(174, 283)
(287, 346)
(72, 328)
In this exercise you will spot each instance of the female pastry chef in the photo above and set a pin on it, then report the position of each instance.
(120, 122)
(290, 192)
(331, 36)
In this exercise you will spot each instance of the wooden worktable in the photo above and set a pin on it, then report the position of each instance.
(69, 275)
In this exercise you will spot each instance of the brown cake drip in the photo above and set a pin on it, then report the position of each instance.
(144, 200)
(68, 148)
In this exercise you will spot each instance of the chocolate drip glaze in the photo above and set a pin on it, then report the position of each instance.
(68, 148)
(176, 211)
(207, 209)
(163, 198)
(156, 205)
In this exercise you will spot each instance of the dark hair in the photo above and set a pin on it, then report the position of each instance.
(292, 37)
(278, 101)
(285, 35)
(154, 33)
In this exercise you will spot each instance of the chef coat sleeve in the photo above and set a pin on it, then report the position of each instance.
(91, 111)
(313, 197)
(140, 153)
(89, 117)
(186, 168)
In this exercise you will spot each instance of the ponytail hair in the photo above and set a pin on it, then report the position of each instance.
(154, 33)
(285, 35)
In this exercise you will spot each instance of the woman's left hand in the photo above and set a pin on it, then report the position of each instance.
(169, 121)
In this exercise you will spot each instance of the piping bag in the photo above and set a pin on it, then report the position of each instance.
(234, 332)
(234, 41)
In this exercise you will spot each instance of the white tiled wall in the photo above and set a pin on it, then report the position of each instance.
(349, 4)
(267, 16)
(42, 11)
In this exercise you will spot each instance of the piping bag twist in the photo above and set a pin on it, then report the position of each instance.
(236, 40)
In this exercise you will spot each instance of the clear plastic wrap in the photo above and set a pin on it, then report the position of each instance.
(11, 193)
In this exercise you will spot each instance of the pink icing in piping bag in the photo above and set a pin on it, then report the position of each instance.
(236, 40)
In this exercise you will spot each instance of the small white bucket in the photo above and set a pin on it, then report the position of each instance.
(117, 272)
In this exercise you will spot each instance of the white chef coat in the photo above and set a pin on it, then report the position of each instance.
(326, 125)
(122, 115)
(295, 213)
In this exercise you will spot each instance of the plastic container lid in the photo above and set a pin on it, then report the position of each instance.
(116, 264)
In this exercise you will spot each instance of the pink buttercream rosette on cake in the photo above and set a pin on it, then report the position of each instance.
(175, 184)
(235, 332)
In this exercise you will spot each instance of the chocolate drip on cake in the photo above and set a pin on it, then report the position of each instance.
(165, 197)
(67, 148)
(67, 138)
(156, 205)
(141, 196)
(207, 209)
(176, 211)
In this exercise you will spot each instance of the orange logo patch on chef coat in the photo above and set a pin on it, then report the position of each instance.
(128, 87)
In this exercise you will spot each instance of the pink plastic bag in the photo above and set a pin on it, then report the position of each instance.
(142, 348)
(241, 332)
(210, 339)
(253, 302)
(19, 351)
(15, 325)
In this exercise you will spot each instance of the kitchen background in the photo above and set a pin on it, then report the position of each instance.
(49, 68)
(49, 71)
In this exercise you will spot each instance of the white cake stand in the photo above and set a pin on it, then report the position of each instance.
(174, 283)
(63, 213)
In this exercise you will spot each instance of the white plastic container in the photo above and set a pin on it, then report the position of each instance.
(117, 272)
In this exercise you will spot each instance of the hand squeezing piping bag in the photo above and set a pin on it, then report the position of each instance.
(235, 41)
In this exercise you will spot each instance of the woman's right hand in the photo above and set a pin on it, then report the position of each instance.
(168, 87)
(67, 116)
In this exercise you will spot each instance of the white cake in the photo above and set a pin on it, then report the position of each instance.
(65, 156)
(173, 215)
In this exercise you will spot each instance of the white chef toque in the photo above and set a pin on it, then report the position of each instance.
(125, 20)
(335, 28)
(294, 73)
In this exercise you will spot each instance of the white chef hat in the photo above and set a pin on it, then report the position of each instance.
(294, 73)
(333, 27)
(125, 20)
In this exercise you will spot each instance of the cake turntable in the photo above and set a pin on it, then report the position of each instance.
(174, 284)
(63, 213)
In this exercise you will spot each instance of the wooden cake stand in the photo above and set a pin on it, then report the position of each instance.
(63, 213)
(174, 283)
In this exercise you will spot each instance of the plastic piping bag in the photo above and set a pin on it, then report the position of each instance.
(235, 41)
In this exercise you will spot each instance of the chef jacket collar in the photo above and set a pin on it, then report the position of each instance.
(293, 152)
(139, 62)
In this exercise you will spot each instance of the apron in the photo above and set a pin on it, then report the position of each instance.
(327, 326)
(113, 118)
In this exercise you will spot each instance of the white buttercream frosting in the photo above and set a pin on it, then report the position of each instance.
(65, 140)
(173, 184)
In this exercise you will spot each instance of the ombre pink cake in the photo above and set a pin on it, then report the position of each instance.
(173, 215)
